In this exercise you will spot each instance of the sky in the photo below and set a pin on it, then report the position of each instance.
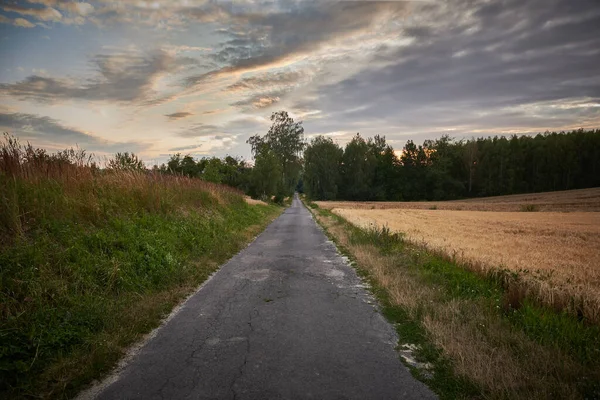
(199, 77)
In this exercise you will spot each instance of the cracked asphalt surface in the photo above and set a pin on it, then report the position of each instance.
(286, 318)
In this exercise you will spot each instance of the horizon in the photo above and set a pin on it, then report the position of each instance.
(197, 77)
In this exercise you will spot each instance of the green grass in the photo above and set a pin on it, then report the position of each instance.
(91, 260)
(549, 329)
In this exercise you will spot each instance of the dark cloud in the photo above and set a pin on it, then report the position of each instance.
(47, 130)
(178, 115)
(121, 77)
(40, 13)
(261, 39)
(512, 64)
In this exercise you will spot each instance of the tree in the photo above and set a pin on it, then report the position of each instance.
(470, 155)
(213, 171)
(358, 165)
(322, 159)
(285, 142)
(265, 175)
(414, 161)
(385, 185)
(126, 161)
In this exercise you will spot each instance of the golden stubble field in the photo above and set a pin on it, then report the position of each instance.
(557, 253)
(587, 200)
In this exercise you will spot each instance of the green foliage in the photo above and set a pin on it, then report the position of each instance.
(62, 284)
(356, 170)
(126, 162)
(284, 142)
(382, 237)
(364, 170)
(322, 159)
(231, 171)
(265, 177)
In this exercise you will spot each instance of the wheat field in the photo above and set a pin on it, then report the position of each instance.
(563, 201)
(557, 254)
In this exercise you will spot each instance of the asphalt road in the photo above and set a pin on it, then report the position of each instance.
(286, 318)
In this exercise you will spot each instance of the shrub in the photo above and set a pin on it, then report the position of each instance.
(529, 208)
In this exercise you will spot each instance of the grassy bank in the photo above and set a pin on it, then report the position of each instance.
(480, 340)
(90, 260)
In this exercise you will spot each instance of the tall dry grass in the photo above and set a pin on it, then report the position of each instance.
(37, 186)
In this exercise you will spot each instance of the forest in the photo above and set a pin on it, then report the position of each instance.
(446, 168)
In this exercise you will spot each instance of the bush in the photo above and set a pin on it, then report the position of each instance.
(529, 208)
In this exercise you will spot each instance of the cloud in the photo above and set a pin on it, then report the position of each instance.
(49, 131)
(23, 23)
(78, 8)
(73, 12)
(226, 130)
(505, 78)
(199, 130)
(258, 101)
(190, 147)
(186, 48)
(126, 77)
(260, 40)
(267, 80)
(42, 14)
(395, 68)
(178, 115)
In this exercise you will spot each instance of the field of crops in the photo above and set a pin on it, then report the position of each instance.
(563, 201)
(556, 253)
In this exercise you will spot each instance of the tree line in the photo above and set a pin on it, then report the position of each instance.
(370, 169)
(445, 168)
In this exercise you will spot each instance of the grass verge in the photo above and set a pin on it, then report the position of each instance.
(478, 342)
(92, 260)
